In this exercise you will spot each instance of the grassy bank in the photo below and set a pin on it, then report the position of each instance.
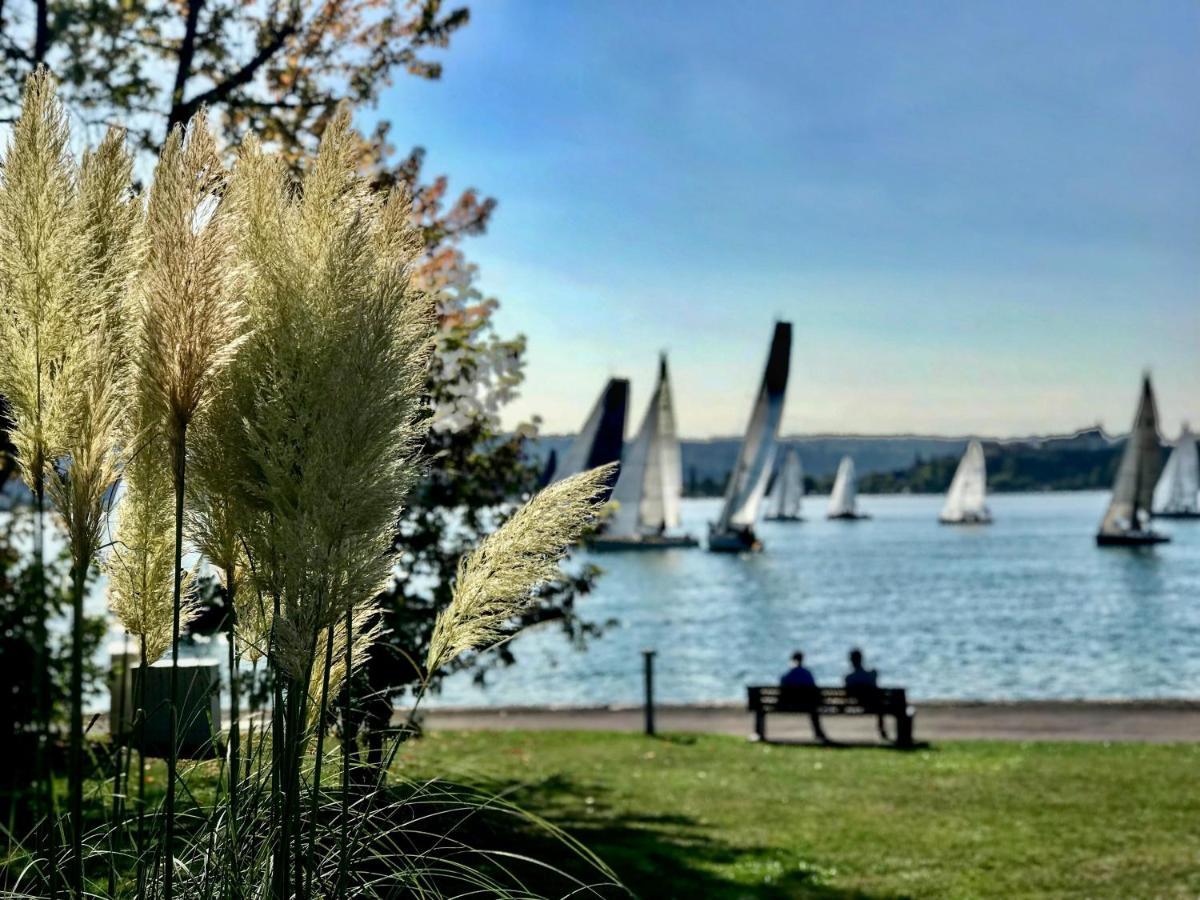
(702, 816)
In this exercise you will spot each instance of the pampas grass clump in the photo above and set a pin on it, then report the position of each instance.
(245, 353)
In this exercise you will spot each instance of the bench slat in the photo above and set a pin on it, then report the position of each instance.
(827, 701)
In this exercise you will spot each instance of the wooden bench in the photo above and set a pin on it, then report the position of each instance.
(834, 702)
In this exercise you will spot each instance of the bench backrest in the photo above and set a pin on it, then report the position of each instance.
(829, 701)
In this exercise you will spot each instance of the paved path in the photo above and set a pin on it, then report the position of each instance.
(1152, 721)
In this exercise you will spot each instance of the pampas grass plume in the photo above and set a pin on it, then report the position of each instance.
(497, 578)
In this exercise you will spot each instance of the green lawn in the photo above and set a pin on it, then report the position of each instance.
(706, 816)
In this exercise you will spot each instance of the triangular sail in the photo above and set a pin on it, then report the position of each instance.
(601, 438)
(844, 497)
(1137, 474)
(1179, 485)
(756, 458)
(967, 497)
(785, 498)
(649, 486)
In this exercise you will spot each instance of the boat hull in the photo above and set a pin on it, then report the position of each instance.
(604, 544)
(1131, 539)
(733, 542)
(783, 518)
(967, 520)
(1177, 515)
(848, 516)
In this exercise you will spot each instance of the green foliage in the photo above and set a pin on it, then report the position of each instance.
(22, 610)
(1010, 467)
(275, 70)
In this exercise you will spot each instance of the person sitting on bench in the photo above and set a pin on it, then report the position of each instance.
(863, 679)
(859, 677)
(799, 676)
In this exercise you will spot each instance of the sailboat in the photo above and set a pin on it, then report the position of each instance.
(648, 488)
(843, 500)
(733, 532)
(783, 503)
(602, 436)
(1127, 520)
(1176, 496)
(966, 500)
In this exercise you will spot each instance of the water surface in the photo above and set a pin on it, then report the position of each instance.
(1028, 607)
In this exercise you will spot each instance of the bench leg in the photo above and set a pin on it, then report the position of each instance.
(760, 726)
(904, 730)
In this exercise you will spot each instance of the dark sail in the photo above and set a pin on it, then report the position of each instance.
(602, 436)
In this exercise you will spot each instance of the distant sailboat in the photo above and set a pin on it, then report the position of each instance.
(843, 500)
(966, 500)
(1177, 495)
(1127, 521)
(733, 532)
(648, 488)
(783, 503)
(602, 436)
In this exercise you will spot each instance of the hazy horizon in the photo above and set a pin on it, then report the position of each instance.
(980, 219)
(785, 435)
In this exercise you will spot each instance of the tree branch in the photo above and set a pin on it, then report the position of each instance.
(182, 111)
(41, 40)
(183, 69)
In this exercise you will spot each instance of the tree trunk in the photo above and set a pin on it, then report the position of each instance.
(183, 66)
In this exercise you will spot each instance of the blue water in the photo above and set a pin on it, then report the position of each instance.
(1028, 607)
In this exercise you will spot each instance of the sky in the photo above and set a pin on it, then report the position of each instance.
(981, 218)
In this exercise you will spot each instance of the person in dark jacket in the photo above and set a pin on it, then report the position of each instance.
(864, 680)
(799, 676)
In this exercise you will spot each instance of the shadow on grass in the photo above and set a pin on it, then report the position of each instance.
(832, 744)
(654, 856)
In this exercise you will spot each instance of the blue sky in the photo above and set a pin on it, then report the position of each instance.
(982, 218)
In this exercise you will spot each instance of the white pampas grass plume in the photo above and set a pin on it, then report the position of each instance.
(191, 318)
(326, 389)
(367, 629)
(141, 564)
(88, 469)
(496, 579)
(42, 253)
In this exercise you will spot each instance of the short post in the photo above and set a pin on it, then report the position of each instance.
(648, 657)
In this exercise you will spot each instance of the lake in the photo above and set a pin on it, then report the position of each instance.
(1028, 607)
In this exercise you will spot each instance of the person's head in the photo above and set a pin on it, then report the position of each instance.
(798, 658)
(856, 658)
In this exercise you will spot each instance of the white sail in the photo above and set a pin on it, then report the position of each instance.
(1179, 485)
(648, 489)
(1133, 491)
(844, 497)
(756, 458)
(966, 501)
(784, 501)
(599, 441)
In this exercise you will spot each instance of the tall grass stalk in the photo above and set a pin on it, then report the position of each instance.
(190, 330)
